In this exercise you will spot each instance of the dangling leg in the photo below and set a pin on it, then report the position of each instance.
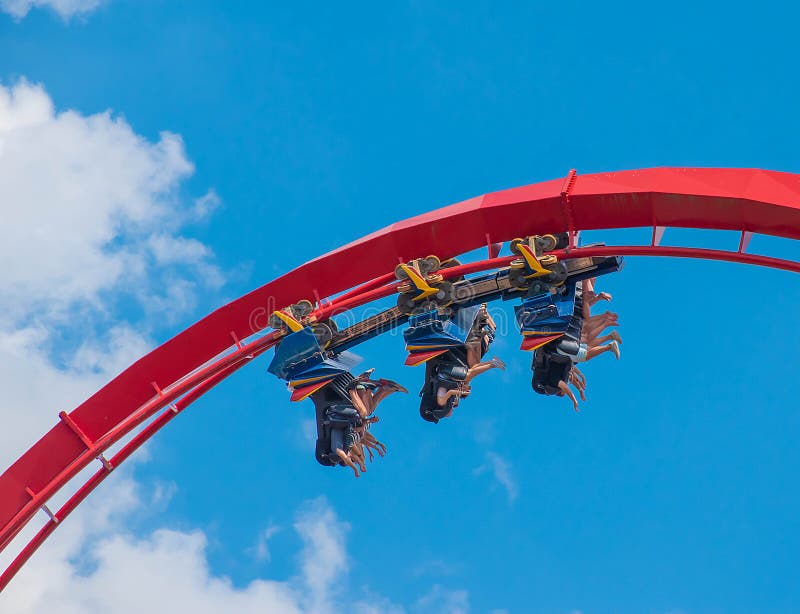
(595, 326)
(606, 318)
(364, 445)
(580, 385)
(612, 336)
(483, 367)
(357, 397)
(364, 377)
(371, 442)
(346, 460)
(598, 323)
(357, 454)
(590, 297)
(593, 329)
(564, 387)
(596, 351)
(588, 290)
(602, 296)
(385, 388)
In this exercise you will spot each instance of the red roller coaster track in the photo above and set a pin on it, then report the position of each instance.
(181, 370)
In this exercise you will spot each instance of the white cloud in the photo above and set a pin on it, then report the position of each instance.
(109, 575)
(261, 551)
(485, 434)
(436, 568)
(323, 559)
(501, 471)
(206, 205)
(442, 601)
(171, 250)
(97, 566)
(375, 604)
(308, 432)
(88, 206)
(65, 8)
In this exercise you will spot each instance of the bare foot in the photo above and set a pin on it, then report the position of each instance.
(393, 385)
(498, 364)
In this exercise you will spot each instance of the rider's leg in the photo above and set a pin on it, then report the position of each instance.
(600, 349)
(483, 367)
(346, 460)
(361, 402)
(564, 388)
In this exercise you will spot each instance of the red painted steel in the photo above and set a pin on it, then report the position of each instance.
(694, 253)
(744, 200)
(137, 417)
(97, 479)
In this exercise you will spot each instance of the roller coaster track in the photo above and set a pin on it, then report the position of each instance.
(160, 385)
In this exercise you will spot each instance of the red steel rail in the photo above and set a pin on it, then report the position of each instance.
(185, 367)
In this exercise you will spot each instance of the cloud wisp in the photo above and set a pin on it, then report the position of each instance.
(495, 465)
(66, 9)
(500, 470)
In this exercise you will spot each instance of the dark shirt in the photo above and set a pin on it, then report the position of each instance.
(548, 370)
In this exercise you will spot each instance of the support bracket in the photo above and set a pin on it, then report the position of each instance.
(64, 416)
(566, 205)
(43, 506)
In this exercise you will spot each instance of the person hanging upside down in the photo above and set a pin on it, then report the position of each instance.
(448, 376)
(448, 380)
(345, 411)
(553, 365)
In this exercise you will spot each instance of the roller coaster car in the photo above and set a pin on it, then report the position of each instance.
(434, 332)
(546, 317)
(306, 366)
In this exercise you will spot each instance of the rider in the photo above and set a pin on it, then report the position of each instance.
(344, 411)
(553, 364)
(448, 377)
(582, 340)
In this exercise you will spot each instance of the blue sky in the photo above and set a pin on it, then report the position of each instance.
(294, 129)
